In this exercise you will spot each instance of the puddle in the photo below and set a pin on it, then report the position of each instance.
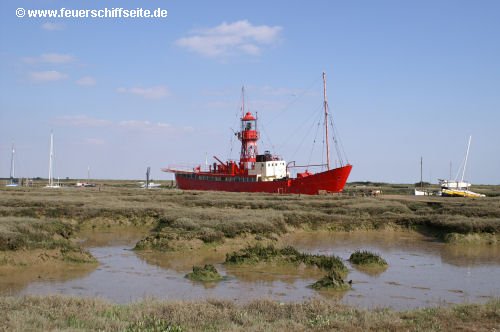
(421, 272)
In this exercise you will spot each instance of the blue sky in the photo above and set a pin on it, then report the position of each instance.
(405, 79)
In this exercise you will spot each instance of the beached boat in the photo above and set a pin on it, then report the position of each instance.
(455, 188)
(263, 172)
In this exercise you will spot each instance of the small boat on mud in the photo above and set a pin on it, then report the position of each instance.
(455, 188)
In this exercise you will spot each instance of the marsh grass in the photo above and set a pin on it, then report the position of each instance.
(270, 253)
(207, 273)
(333, 280)
(68, 313)
(367, 258)
(213, 217)
(18, 233)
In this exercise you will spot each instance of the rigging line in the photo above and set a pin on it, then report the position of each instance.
(323, 155)
(336, 138)
(314, 143)
(300, 126)
(237, 115)
(342, 146)
(293, 101)
(303, 139)
(267, 136)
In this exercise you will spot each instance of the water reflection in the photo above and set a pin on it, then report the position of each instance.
(421, 271)
(14, 278)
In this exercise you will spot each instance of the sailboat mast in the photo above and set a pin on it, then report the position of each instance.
(51, 181)
(12, 169)
(325, 104)
(421, 174)
(466, 157)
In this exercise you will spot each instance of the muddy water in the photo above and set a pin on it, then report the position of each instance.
(421, 272)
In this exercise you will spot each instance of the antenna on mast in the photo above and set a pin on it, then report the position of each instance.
(242, 101)
(325, 104)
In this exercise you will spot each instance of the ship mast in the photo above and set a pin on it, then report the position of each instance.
(12, 168)
(326, 122)
(243, 101)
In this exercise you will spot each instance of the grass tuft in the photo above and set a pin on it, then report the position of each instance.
(367, 258)
(333, 280)
(259, 253)
(206, 273)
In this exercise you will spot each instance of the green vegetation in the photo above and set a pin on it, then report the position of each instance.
(366, 258)
(258, 253)
(17, 233)
(333, 280)
(70, 314)
(206, 273)
(188, 220)
(40, 219)
(333, 264)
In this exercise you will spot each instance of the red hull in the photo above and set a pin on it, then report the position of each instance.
(330, 181)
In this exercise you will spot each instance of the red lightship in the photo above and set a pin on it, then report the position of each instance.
(263, 172)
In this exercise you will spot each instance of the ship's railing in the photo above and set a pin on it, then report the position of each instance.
(185, 168)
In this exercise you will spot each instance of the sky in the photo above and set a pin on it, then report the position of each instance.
(405, 80)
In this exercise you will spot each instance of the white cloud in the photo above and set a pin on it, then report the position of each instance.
(143, 125)
(153, 127)
(52, 58)
(49, 26)
(86, 81)
(47, 76)
(81, 121)
(156, 92)
(227, 39)
(127, 126)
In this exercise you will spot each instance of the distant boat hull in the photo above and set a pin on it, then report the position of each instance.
(332, 181)
(459, 193)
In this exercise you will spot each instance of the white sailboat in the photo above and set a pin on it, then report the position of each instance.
(12, 178)
(422, 191)
(455, 188)
(51, 164)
